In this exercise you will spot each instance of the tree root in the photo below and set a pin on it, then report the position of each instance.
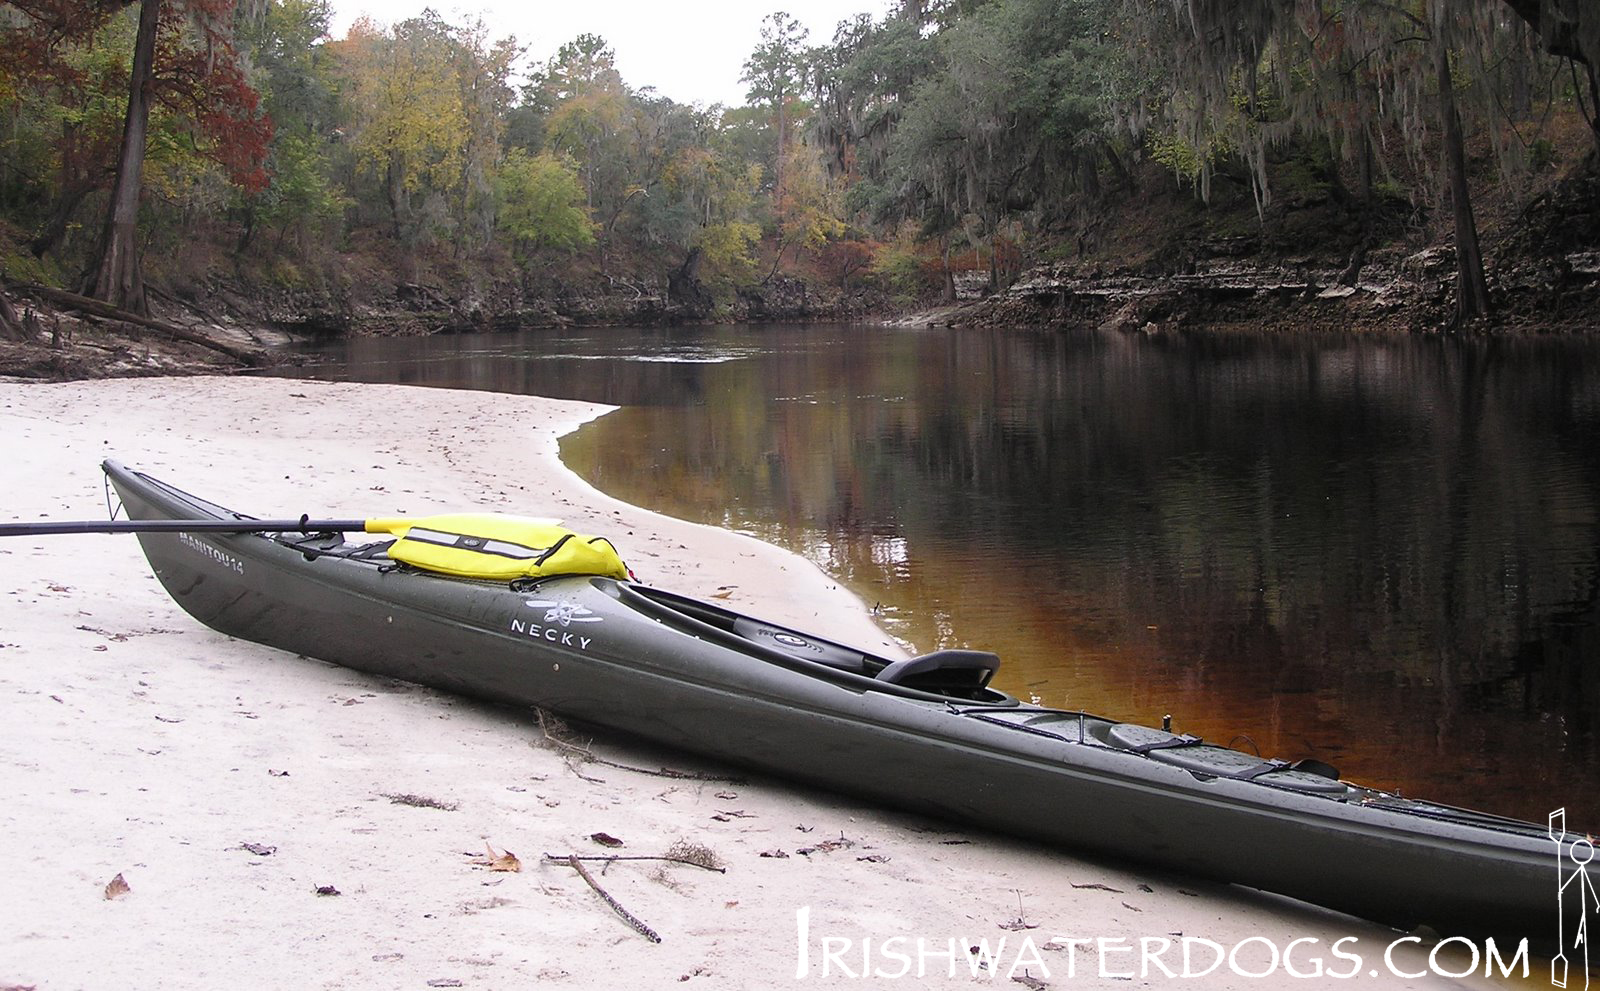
(550, 726)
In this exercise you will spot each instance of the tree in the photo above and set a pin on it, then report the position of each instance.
(1005, 123)
(302, 196)
(705, 209)
(589, 107)
(67, 96)
(805, 206)
(284, 44)
(1242, 76)
(184, 61)
(775, 72)
(1569, 29)
(483, 73)
(540, 203)
(408, 127)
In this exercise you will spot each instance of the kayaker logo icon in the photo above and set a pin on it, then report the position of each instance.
(564, 613)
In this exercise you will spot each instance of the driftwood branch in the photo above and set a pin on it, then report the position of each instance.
(632, 920)
(192, 307)
(95, 307)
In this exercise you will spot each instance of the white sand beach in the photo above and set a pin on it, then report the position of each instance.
(226, 783)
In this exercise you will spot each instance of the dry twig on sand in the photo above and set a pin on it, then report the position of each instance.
(557, 858)
(575, 862)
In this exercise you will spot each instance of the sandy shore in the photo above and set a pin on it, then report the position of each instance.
(226, 783)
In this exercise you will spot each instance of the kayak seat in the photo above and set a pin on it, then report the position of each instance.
(962, 673)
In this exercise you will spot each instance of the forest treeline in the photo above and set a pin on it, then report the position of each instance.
(944, 134)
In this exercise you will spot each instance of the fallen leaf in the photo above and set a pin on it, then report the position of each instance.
(875, 858)
(117, 888)
(605, 839)
(506, 861)
(327, 890)
(727, 796)
(259, 849)
(775, 854)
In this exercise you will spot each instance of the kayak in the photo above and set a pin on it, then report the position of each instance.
(926, 734)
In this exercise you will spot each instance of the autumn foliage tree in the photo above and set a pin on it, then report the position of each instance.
(183, 64)
(426, 105)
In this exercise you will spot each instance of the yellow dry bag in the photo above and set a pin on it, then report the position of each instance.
(498, 548)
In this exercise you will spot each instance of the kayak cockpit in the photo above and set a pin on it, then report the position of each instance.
(961, 675)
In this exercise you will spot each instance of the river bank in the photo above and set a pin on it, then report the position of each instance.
(1391, 293)
(235, 789)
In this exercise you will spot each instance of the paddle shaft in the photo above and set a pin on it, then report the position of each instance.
(302, 525)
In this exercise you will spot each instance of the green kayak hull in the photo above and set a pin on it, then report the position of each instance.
(925, 735)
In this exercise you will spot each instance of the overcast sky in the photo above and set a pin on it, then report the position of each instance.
(691, 52)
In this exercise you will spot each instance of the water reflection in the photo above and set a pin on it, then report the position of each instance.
(1381, 552)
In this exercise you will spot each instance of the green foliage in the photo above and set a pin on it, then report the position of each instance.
(24, 266)
(540, 200)
(902, 265)
(729, 252)
(963, 117)
(302, 197)
(1177, 154)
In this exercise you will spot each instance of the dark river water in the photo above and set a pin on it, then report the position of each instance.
(1381, 552)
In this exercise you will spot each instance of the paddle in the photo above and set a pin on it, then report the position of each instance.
(302, 525)
(1558, 966)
